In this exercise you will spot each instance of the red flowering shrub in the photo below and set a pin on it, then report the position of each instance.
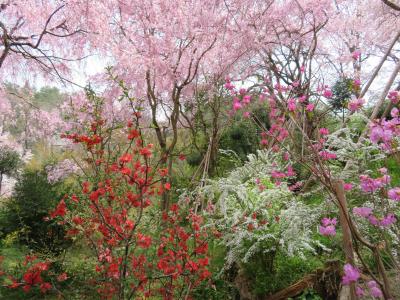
(141, 251)
(31, 276)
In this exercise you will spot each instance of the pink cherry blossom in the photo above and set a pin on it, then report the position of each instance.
(356, 54)
(296, 83)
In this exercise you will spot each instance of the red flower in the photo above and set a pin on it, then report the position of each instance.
(167, 186)
(60, 210)
(133, 133)
(143, 241)
(74, 198)
(94, 196)
(85, 187)
(62, 277)
(174, 207)
(125, 158)
(14, 284)
(205, 274)
(126, 171)
(202, 249)
(44, 287)
(145, 152)
(163, 172)
(32, 277)
(191, 266)
(26, 288)
(203, 261)
(77, 220)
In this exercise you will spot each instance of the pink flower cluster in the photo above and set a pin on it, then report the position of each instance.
(351, 274)
(366, 212)
(326, 155)
(384, 131)
(394, 194)
(370, 185)
(328, 227)
(356, 104)
(347, 186)
(327, 93)
(324, 131)
(291, 104)
(394, 96)
(374, 290)
(356, 54)
(386, 221)
(61, 170)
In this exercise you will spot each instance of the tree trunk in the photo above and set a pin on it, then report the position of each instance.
(347, 237)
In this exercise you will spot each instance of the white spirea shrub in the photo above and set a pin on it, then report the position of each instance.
(255, 215)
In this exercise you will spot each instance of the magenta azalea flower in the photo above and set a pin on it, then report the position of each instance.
(362, 211)
(324, 131)
(394, 194)
(351, 274)
(374, 289)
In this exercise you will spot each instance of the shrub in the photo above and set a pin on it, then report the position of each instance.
(9, 161)
(24, 213)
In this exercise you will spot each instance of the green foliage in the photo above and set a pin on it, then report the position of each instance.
(308, 294)
(24, 213)
(342, 91)
(48, 98)
(285, 271)
(243, 137)
(9, 161)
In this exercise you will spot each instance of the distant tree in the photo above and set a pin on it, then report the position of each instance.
(342, 91)
(48, 98)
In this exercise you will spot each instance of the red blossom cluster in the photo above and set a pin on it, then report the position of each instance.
(31, 276)
(138, 254)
